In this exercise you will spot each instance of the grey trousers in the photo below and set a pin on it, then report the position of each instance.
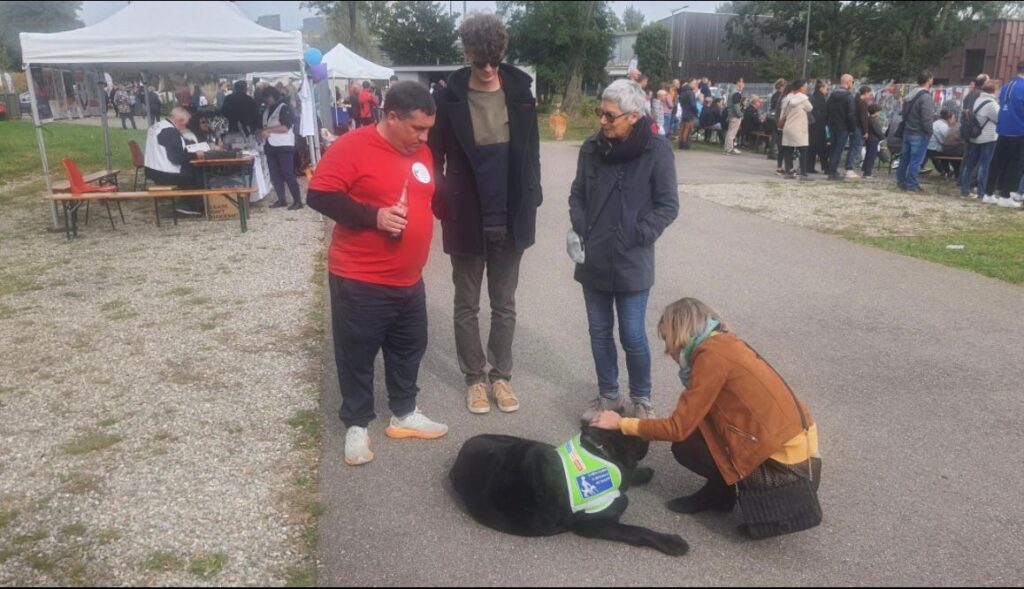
(501, 262)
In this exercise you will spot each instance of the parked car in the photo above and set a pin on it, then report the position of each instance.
(26, 102)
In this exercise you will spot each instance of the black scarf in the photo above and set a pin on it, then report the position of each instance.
(616, 152)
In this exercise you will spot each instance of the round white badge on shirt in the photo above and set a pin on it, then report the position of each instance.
(421, 172)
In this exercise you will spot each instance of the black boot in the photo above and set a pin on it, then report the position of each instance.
(710, 497)
(278, 205)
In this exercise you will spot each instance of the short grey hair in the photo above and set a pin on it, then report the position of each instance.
(180, 113)
(627, 94)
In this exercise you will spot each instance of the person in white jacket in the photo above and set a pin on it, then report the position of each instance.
(793, 118)
(983, 147)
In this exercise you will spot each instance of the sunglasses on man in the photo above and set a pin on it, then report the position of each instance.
(482, 64)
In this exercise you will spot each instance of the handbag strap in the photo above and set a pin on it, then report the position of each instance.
(803, 418)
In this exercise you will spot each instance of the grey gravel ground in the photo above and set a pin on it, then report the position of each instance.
(181, 353)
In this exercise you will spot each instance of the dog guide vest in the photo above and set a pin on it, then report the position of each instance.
(593, 481)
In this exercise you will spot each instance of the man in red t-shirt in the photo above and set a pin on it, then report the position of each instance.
(377, 184)
(367, 102)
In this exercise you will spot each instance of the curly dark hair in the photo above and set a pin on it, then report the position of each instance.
(484, 37)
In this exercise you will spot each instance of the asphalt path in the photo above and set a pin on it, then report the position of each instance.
(913, 371)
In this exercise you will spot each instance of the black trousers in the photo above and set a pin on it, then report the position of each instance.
(186, 180)
(787, 152)
(693, 453)
(1004, 175)
(819, 150)
(365, 319)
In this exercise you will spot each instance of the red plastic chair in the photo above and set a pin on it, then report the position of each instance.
(139, 161)
(78, 187)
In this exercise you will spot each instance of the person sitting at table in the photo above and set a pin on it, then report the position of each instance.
(168, 162)
(199, 126)
(279, 145)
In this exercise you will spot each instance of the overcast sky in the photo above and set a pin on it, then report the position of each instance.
(292, 15)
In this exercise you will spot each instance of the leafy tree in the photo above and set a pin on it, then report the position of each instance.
(762, 27)
(919, 37)
(416, 33)
(569, 43)
(349, 22)
(892, 39)
(632, 20)
(34, 17)
(652, 47)
(777, 65)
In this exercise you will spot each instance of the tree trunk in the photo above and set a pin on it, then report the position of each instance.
(353, 22)
(574, 88)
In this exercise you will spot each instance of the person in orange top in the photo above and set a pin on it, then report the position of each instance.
(735, 416)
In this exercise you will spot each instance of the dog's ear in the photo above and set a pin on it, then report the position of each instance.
(628, 451)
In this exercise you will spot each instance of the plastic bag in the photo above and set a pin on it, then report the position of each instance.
(574, 247)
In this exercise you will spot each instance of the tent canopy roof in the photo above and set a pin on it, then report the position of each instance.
(169, 36)
(343, 63)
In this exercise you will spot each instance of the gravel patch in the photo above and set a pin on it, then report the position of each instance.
(149, 374)
(860, 207)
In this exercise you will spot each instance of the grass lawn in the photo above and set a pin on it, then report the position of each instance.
(997, 251)
(82, 143)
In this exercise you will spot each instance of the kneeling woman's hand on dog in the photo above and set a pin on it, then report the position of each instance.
(607, 420)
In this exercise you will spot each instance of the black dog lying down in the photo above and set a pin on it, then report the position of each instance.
(526, 488)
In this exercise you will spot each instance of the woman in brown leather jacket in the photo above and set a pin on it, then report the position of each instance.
(735, 417)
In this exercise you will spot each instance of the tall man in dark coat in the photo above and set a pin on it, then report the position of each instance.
(241, 110)
(842, 122)
(487, 166)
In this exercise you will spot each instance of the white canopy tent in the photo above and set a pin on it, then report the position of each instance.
(343, 63)
(202, 37)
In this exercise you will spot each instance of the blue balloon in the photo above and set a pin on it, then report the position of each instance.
(313, 56)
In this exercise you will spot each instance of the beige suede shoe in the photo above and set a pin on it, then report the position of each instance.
(504, 398)
(476, 399)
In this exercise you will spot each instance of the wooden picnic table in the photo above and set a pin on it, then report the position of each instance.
(237, 196)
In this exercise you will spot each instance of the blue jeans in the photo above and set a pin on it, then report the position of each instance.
(978, 155)
(839, 140)
(869, 157)
(915, 148)
(631, 307)
(856, 143)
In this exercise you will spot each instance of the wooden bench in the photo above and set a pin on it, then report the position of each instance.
(104, 177)
(239, 197)
(952, 158)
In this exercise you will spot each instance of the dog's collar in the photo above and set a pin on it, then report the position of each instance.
(593, 481)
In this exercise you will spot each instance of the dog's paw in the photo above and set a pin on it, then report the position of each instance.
(642, 475)
(673, 545)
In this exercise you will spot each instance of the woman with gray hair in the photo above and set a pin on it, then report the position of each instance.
(623, 198)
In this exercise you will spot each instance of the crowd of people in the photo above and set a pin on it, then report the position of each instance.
(469, 155)
(812, 127)
(267, 117)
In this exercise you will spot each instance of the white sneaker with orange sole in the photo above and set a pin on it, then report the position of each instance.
(415, 425)
(357, 446)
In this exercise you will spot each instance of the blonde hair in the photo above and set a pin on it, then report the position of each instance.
(684, 320)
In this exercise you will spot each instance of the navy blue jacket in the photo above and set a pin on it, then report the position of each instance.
(620, 210)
